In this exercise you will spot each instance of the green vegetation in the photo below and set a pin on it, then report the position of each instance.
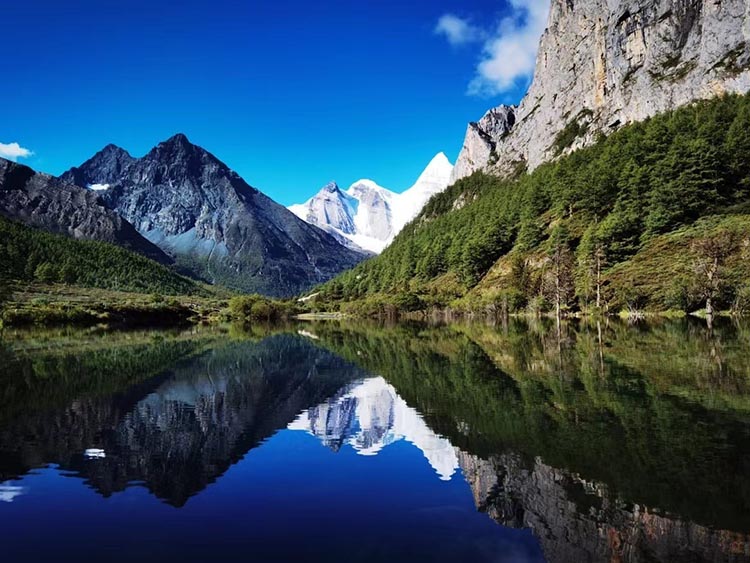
(626, 223)
(575, 128)
(58, 304)
(30, 255)
(43, 371)
(258, 308)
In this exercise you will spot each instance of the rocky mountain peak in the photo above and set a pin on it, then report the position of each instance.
(183, 156)
(481, 140)
(330, 187)
(112, 149)
(45, 202)
(111, 161)
(215, 225)
(178, 139)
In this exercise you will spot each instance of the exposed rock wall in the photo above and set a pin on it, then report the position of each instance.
(602, 64)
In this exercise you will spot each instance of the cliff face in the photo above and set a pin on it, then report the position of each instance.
(602, 64)
(44, 202)
(579, 521)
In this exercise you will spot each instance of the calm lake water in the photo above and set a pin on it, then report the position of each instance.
(346, 442)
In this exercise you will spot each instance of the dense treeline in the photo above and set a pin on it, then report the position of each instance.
(30, 255)
(574, 218)
(255, 307)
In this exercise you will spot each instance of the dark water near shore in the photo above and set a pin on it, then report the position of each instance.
(358, 442)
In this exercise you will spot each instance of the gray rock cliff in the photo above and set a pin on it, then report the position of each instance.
(604, 63)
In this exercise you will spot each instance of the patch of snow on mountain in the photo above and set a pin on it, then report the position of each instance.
(98, 187)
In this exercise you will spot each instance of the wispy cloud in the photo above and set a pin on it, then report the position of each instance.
(509, 49)
(14, 151)
(458, 31)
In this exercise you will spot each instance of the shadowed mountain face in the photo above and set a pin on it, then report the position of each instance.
(44, 202)
(213, 223)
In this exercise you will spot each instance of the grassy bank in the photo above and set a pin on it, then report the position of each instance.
(58, 304)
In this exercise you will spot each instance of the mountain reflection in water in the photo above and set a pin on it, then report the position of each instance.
(590, 444)
(368, 416)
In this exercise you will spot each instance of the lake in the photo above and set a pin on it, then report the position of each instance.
(524, 441)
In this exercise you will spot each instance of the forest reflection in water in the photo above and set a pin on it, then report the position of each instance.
(605, 440)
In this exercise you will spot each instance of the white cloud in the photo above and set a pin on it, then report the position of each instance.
(458, 31)
(14, 151)
(509, 50)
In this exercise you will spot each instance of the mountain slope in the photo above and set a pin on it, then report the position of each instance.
(602, 64)
(44, 202)
(32, 255)
(211, 221)
(600, 218)
(368, 215)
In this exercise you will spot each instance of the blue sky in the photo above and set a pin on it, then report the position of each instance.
(290, 94)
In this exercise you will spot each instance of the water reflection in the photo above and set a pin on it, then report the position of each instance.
(609, 442)
(369, 415)
(178, 431)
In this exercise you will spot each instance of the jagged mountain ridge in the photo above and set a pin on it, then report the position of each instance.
(215, 225)
(42, 201)
(601, 65)
(369, 216)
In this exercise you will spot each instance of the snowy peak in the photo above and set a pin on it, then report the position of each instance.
(365, 187)
(185, 200)
(433, 180)
(436, 172)
(329, 209)
(330, 187)
(367, 215)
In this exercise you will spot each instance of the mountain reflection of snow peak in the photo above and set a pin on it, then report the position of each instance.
(369, 415)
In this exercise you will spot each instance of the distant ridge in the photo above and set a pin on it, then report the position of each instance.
(45, 202)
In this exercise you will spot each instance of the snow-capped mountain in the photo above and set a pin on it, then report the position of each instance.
(370, 415)
(368, 216)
